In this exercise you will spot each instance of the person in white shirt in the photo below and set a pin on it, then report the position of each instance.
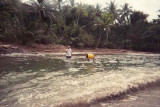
(69, 52)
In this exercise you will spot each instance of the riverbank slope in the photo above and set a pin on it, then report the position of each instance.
(54, 48)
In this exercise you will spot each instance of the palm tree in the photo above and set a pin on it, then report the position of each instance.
(46, 12)
(125, 13)
(157, 20)
(104, 24)
(10, 17)
(108, 21)
(72, 3)
(81, 11)
(59, 5)
(138, 17)
(112, 9)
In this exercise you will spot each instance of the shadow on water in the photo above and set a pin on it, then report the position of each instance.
(19, 70)
(80, 67)
(32, 64)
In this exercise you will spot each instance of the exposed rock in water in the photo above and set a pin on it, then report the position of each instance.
(8, 49)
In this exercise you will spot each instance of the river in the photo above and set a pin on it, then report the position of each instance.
(35, 80)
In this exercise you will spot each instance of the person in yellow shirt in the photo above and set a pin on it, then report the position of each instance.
(90, 56)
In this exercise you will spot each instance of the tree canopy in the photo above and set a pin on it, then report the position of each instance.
(77, 24)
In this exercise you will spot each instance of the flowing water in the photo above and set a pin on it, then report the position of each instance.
(47, 81)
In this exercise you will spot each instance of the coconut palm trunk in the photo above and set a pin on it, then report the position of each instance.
(107, 36)
(99, 39)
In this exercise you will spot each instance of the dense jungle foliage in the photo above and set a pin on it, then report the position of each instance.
(79, 25)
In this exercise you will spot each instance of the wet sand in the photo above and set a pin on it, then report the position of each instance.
(149, 97)
(56, 49)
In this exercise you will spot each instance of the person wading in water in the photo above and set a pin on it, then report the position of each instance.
(69, 52)
(90, 56)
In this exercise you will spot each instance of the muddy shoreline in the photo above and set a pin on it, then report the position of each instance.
(56, 49)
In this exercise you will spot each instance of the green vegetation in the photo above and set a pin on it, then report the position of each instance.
(78, 25)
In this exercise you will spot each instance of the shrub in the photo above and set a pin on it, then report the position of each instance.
(1, 37)
(87, 40)
(42, 39)
(108, 45)
(81, 45)
(28, 38)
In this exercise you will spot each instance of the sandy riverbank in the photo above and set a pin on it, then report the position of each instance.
(55, 49)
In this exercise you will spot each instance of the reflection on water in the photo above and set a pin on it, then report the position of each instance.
(90, 68)
(47, 81)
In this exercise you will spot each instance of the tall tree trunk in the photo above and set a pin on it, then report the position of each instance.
(99, 39)
(78, 19)
(47, 29)
(128, 20)
(59, 6)
(107, 36)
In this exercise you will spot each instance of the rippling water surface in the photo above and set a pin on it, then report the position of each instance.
(31, 81)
